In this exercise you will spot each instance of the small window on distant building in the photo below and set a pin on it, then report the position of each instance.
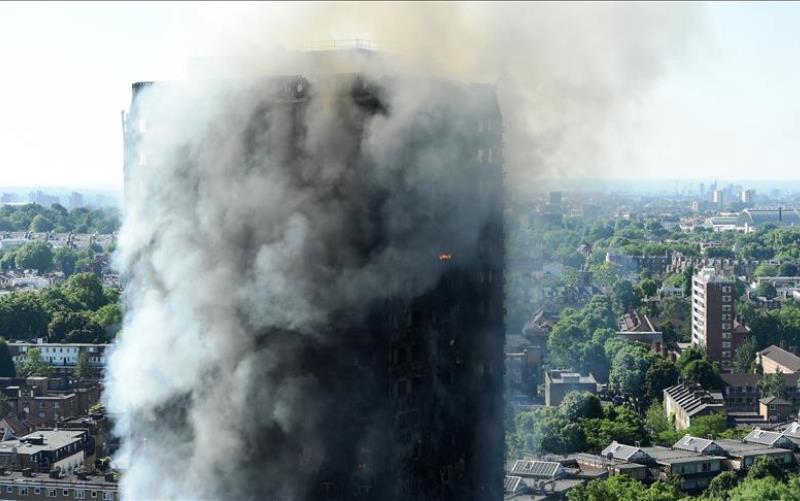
(726, 354)
(726, 299)
(79, 494)
(726, 326)
(51, 493)
(10, 489)
(108, 496)
(23, 491)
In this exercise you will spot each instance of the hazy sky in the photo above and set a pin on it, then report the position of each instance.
(731, 109)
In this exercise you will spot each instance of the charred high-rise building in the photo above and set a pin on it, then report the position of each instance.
(403, 372)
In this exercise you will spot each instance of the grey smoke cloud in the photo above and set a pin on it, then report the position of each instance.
(254, 229)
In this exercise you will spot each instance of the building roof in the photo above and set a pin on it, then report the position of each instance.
(570, 377)
(693, 399)
(759, 436)
(512, 484)
(617, 450)
(53, 440)
(751, 380)
(739, 449)
(793, 430)
(774, 401)
(533, 468)
(781, 357)
(694, 444)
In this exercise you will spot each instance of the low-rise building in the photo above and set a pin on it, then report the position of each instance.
(768, 439)
(775, 359)
(688, 400)
(32, 486)
(558, 383)
(742, 394)
(774, 409)
(43, 450)
(62, 355)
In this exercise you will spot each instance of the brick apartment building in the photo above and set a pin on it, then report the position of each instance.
(714, 326)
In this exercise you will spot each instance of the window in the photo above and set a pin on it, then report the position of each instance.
(726, 316)
(726, 335)
(726, 344)
(80, 494)
(23, 491)
(726, 326)
(706, 466)
(51, 493)
(726, 299)
(726, 307)
(726, 354)
(726, 288)
(37, 490)
(108, 496)
(94, 494)
(9, 489)
(65, 492)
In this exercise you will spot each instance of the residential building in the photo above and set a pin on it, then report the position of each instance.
(638, 327)
(774, 409)
(689, 400)
(32, 486)
(558, 383)
(714, 326)
(741, 392)
(774, 359)
(769, 439)
(62, 355)
(787, 288)
(405, 353)
(64, 450)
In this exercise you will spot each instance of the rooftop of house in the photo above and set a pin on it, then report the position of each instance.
(41, 440)
(694, 444)
(534, 468)
(774, 401)
(570, 377)
(617, 450)
(781, 357)
(693, 399)
(764, 437)
(751, 380)
(92, 482)
(738, 449)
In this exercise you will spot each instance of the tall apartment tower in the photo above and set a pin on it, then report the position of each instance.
(714, 328)
(719, 199)
(414, 404)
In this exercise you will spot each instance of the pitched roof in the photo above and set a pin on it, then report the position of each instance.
(781, 357)
(693, 399)
(530, 468)
(620, 451)
(759, 436)
(790, 380)
(774, 401)
(513, 484)
(694, 444)
(792, 431)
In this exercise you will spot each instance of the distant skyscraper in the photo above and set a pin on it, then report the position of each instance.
(719, 198)
(748, 196)
(702, 190)
(75, 200)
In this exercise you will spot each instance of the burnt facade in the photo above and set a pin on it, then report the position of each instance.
(411, 385)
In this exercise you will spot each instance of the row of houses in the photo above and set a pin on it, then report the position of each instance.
(694, 460)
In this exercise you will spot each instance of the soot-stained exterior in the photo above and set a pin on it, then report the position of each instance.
(408, 385)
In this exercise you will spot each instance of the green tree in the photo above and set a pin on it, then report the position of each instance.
(619, 423)
(745, 356)
(661, 374)
(766, 467)
(765, 489)
(23, 316)
(628, 370)
(41, 224)
(7, 368)
(74, 327)
(766, 270)
(648, 287)
(704, 372)
(788, 270)
(625, 297)
(85, 291)
(772, 385)
(65, 260)
(35, 256)
(577, 405)
(766, 290)
(720, 486)
(32, 364)
(656, 419)
(109, 317)
(546, 430)
(688, 273)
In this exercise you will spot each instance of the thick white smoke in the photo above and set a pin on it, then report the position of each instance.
(250, 227)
